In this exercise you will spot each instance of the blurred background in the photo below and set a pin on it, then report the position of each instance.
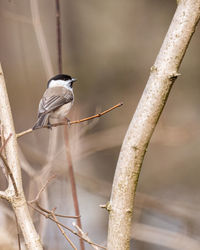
(109, 46)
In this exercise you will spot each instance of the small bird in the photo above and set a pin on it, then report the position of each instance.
(56, 101)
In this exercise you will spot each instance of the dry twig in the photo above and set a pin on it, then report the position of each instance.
(85, 236)
(73, 122)
(62, 231)
(52, 215)
(4, 142)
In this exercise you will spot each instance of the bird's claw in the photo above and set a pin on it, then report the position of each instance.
(68, 122)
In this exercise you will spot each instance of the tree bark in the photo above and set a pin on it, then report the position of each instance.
(16, 198)
(162, 76)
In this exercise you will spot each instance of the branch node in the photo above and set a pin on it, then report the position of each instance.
(107, 206)
(172, 77)
(153, 68)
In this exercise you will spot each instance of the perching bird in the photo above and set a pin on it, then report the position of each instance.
(56, 101)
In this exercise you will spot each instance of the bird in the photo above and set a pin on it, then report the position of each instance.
(56, 101)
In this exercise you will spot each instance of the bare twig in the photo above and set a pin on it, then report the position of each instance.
(73, 182)
(73, 122)
(59, 38)
(58, 215)
(3, 195)
(52, 216)
(43, 188)
(36, 200)
(85, 236)
(4, 143)
(62, 231)
(48, 216)
(69, 158)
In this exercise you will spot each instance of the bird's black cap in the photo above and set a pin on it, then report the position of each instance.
(61, 77)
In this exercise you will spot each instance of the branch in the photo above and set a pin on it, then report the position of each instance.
(47, 214)
(162, 76)
(72, 122)
(5, 142)
(85, 236)
(73, 182)
(36, 200)
(42, 189)
(14, 193)
(3, 195)
(62, 231)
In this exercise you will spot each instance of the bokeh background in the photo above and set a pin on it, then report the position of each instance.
(109, 46)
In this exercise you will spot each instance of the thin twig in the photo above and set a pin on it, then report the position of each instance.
(48, 216)
(4, 143)
(59, 215)
(10, 174)
(73, 182)
(69, 158)
(42, 188)
(62, 231)
(3, 195)
(73, 122)
(84, 235)
(59, 38)
(45, 210)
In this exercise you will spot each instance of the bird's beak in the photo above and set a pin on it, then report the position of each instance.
(74, 80)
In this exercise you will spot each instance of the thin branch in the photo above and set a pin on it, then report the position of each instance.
(5, 142)
(36, 200)
(73, 122)
(48, 216)
(59, 215)
(3, 195)
(85, 236)
(42, 189)
(73, 182)
(69, 158)
(62, 231)
(59, 38)
(10, 174)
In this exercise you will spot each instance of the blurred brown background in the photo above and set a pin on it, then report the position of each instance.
(109, 46)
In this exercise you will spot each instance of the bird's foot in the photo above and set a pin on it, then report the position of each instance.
(68, 122)
(49, 125)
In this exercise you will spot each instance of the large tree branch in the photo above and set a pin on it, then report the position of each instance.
(14, 193)
(163, 74)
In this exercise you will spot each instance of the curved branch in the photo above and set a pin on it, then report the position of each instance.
(162, 77)
(14, 192)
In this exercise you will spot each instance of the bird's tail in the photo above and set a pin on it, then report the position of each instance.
(41, 122)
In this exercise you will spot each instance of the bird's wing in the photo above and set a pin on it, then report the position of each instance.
(51, 102)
